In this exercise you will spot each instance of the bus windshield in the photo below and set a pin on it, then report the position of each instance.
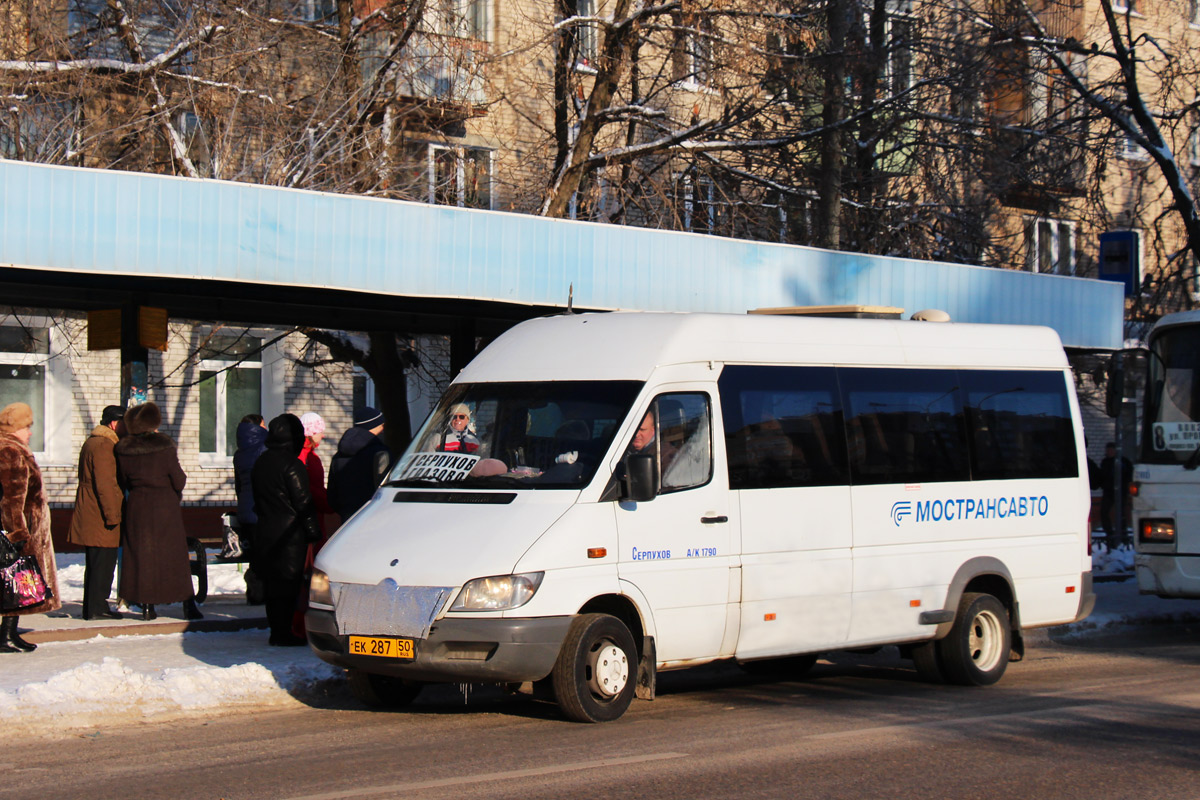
(544, 435)
(1172, 432)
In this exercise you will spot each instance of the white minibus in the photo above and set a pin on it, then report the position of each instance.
(600, 497)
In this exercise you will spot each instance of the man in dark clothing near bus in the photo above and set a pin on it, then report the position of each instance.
(1114, 530)
(358, 467)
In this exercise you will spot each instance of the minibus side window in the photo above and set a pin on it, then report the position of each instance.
(904, 425)
(783, 427)
(1020, 425)
(682, 443)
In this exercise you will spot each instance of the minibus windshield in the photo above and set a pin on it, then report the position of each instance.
(536, 435)
(1172, 433)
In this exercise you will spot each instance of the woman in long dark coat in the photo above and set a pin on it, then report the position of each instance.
(25, 515)
(155, 568)
(287, 524)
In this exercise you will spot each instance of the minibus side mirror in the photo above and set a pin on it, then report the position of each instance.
(641, 478)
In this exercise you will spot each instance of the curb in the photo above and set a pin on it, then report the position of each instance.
(144, 629)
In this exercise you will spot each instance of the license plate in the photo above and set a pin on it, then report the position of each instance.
(383, 647)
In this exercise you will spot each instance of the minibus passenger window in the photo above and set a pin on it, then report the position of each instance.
(904, 425)
(1020, 423)
(783, 427)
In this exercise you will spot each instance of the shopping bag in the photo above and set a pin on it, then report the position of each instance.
(22, 585)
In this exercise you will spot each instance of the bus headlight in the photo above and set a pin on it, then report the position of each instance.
(1157, 531)
(318, 590)
(498, 592)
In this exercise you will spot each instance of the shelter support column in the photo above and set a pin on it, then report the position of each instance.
(134, 357)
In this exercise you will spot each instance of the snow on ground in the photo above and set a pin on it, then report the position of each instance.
(73, 686)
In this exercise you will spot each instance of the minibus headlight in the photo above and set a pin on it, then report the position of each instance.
(498, 592)
(318, 590)
(1157, 531)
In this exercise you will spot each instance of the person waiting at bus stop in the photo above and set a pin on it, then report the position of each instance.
(1114, 530)
(287, 525)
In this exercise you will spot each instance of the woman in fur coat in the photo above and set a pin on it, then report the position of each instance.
(155, 567)
(24, 514)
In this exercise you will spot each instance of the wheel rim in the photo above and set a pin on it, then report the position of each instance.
(986, 641)
(608, 670)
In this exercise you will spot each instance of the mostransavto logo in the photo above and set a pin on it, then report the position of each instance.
(970, 508)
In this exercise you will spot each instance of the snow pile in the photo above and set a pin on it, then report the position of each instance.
(1115, 562)
(80, 684)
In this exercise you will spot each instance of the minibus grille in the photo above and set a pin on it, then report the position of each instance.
(388, 609)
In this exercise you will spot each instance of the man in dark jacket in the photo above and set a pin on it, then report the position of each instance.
(287, 524)
(96, 520)
(361, 461)
(1114, 529)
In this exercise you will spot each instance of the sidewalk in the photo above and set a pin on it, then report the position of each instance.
(222, 613)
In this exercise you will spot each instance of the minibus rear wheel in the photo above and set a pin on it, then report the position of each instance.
(975, 652)
(381, 691)
(596, 673)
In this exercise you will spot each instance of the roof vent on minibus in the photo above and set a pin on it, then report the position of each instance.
(931, 315)
(851, 312)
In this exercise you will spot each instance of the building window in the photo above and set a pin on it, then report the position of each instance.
(317, 10)
(23, 355)
(1127, 147)
(230, 388)
(1127, 6)
(1194, 13)
(696, 203)
(1050, 246)
(590, 201)
(694, 49)
(460, 176)
(899, 45)
(587, 34)
(1193, 147)
(466, 19)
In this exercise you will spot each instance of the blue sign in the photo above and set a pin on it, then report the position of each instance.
(1121, 259)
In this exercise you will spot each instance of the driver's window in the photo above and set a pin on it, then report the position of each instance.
(676, 431)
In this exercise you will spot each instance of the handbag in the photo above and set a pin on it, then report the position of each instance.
(232, 547)
(22, 585)
(8, 551)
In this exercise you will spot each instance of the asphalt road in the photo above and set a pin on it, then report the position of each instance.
(1099, 717)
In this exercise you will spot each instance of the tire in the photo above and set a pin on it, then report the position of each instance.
(787, 668)
(929, 665)
(382, 691)
(595, 676)
(975, 652)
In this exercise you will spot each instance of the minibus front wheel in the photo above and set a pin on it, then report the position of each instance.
(381, 691)
(596, 673)
(975, 652)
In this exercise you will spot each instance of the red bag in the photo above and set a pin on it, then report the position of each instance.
(22, 585)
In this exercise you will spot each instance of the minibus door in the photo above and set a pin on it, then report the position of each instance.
(678, 548)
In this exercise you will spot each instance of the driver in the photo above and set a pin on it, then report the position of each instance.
(459, 436)
(645, 442)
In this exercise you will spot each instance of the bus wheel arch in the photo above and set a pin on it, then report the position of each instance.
(983, 575)
(626, 610)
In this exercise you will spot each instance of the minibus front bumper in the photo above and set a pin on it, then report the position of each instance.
(457, 650)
